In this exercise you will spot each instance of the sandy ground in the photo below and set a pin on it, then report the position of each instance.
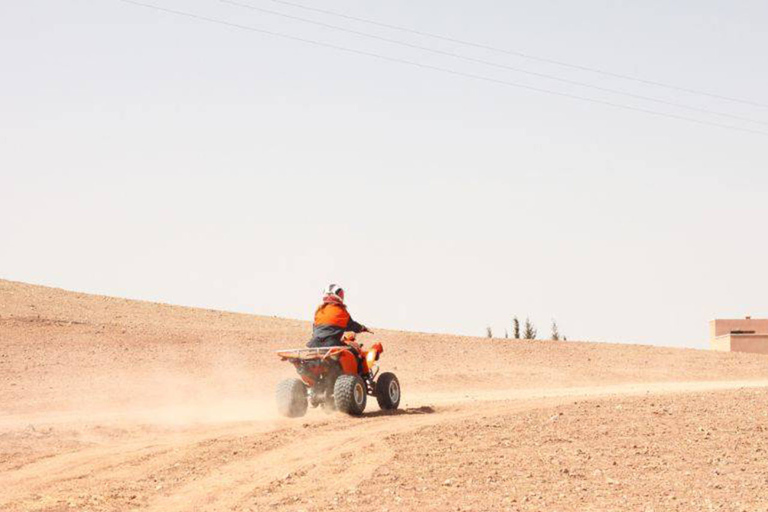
(111, 404)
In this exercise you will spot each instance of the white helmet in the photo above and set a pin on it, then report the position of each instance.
(334, 290)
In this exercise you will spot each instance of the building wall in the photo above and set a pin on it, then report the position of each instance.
(754, 343)
(722, 327)
(721, 343)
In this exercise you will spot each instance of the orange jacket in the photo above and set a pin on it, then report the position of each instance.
(331, 322)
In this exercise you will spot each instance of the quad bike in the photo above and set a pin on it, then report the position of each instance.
(332, 378)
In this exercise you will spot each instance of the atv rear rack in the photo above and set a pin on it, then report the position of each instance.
(310, 354)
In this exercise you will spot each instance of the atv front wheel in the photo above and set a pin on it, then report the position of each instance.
(350, 395)
(292, 398)
(388, 391)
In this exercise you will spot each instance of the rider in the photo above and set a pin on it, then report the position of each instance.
(332, 320)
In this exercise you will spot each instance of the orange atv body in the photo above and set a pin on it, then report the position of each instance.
(335, 378)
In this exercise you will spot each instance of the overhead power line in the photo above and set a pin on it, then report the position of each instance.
(436, 68)
(522, 54)
(495, 64)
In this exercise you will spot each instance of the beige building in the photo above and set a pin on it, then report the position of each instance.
(744, 335)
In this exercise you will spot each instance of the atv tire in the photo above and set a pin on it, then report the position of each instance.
(350, 394)
(292, 398)
(388, 392)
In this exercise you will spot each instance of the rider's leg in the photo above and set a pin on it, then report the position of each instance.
(330, 378)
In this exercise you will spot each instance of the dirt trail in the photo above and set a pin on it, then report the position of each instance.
(267, 464)
(111, 405)
(608, 390)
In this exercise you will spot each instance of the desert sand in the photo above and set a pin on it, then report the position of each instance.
(110, 404)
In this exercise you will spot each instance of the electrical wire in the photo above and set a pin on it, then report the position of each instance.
(437, 68)
(522, 54)
(494, 64)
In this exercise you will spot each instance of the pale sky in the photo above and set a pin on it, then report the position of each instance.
(152, 156)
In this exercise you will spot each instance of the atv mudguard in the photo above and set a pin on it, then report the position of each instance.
(348, 362)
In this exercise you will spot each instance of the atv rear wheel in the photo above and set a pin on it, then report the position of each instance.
(292, 398)
(350, 394)
(388, 391)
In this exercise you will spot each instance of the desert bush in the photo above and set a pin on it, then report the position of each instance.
(530, 331)
(555, 331)
(488, 332)
(516, 328)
